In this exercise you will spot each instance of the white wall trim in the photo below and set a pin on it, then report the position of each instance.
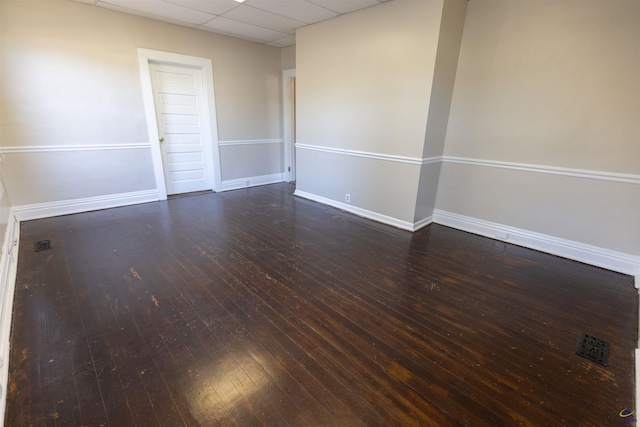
(253, 181)
(251, 142)
(395, 222)
(637, 351)
(77, 147)
(370, 155)
(601, 257)
(554, 170)
(637, 365)
(288, 124)
(320, 148)
(8, 271)
(212, 155)
(431, 160)
(66, 207)
(422, 223)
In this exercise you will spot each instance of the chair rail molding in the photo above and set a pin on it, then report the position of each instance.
(74, 147)
(553, 170)
(251, 142)
(371, 155)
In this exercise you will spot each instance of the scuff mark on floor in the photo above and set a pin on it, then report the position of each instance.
(135, 274)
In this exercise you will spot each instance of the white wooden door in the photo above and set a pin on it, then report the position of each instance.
(180, 108)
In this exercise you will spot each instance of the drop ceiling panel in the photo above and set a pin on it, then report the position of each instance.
(283, 42)
(215, 7)
(240, 29)
(163, 9)
(145, 15)
(295, 9)
(262, 18)
(272, 22)
(344, 6)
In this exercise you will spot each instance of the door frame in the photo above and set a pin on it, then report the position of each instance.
(288, 125)
(210, 128)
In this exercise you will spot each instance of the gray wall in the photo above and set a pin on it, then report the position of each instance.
(70, 80)
(364, 87)
(554, 86)
(542, 133)
(451, 27)
(288, 57)
(532, 121)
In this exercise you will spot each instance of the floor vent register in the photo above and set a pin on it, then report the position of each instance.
(593, 349)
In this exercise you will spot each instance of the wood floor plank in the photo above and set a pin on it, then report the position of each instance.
(236, 328)
(196, 324)
(254, 307)
(306, 408)
(327, 330)
(476, 321)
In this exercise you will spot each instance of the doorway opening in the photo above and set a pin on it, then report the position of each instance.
(289, 119)
(181, 121)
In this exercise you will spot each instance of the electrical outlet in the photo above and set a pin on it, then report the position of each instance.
(347, 198)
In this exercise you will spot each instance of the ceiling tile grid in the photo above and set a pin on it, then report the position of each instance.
(272, 22)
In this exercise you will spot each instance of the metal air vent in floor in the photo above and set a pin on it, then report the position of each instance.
(593, 349)
(42, 245)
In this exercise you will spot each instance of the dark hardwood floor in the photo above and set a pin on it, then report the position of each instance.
(253, 307)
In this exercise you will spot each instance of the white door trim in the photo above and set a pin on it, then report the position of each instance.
(212, 155)
(287, 107)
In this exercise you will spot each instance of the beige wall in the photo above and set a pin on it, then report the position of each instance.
(550, 83)
(553, 84)
(364, 84)
(5, 203)
(364, 79)
(288, 58)
(70, 77)
(451, 27)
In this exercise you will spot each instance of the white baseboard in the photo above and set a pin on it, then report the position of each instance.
(8, 270)
(637, 402)
(637, 399)
(253, 181)
(422, 223)
(600, 257)
(395, 222)
(66, 207)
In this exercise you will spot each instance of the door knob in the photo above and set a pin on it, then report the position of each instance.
(161, 138)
